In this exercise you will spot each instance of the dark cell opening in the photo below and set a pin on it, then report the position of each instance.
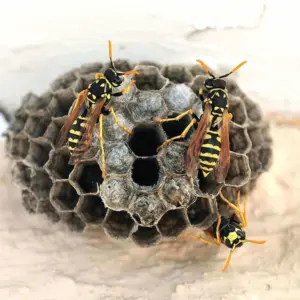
(173, 223)
(38, 153)
(175, 128)
(59, 164)
(36, 125)
(19, 146)
(209, 184)
(19, 121)
(90, 178)
(73, 222)
(118, 224)
(146, 236)
(197, 212)
(41, 184)
(22, 173)
(145, 140)
(93, 209)
(64, 195)
(145, 172)
(29, 201)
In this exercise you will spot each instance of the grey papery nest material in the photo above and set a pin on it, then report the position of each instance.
(146, 195)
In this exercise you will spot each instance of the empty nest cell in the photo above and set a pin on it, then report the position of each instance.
(172, 223)
(64, 80)
(38, 153)
(89, 177)
(202, 213)
(53, 129)
(63, 196)
(73, 221)
(145, 140)
(41, 184)
(22, 174)
(177, 73)
(118, 224)
(150, 78)
(175, 128)
(146, 172)
(173, 159)
(146, 236)
(19, 120)
(239, 139)
(57, 165)
(19, 146)
(29, 201)
(37, 123)
(92, 209)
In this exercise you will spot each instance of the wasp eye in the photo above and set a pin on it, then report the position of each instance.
(208, 83)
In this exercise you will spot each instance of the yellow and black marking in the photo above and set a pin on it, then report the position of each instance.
(210, 151)
(76, 132)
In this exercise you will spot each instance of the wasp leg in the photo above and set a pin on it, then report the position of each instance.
(102, 146)
(237, 208)
(218, 231)
(118, 123)
(212, 242)
(201, 92)
(188, 112)
(126, 90)
(245, 211)
(183, 134)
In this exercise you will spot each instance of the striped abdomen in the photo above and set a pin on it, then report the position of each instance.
(76, 131)
(210, 151)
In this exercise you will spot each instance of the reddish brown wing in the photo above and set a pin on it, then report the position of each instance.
(192, 155)
(84, 143)
(224, 161)
(71, 118)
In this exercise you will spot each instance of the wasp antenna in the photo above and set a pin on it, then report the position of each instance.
(254, 242)
(204, 66)
(228, 260)
(109, 49)
(238, 66)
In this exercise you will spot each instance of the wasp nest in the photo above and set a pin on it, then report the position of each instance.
(146, 195)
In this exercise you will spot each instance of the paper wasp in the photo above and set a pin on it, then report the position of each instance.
(209, 146)
(229, 231)
(91, 105)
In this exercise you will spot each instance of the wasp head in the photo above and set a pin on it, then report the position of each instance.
(113, 77)
(212, 83)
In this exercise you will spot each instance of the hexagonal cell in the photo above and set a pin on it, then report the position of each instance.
(266, 157)
(29, 201)
(58, 166)
(89, 177)
(118, 224)
(64, 80)
(73, 221)
(146, 236)
(177, 73)
(239, 139)
(239, 171)
(147, 104)
(38, 153)
(45, 207)
(61, 102)
(146, 173)
(83, 82)
(175, 128)
(255, 135)
(149, 63)
(146, 139)
(238, 110)
(147, 208)
(19, 120)
(41, 184)
(37, 123)
(254, 163)
(253, 110)
(173, 222)
(178, 97)
(53, 129)
(150, 78)
(203, 212)
(118, 158)
(112, 131)
(63, 196)
(198, 83)
(116, 193)
(208, 185)
(90, 68)
(196, 70)
(173, 159)
(21, 173)
(178, 191)
(32, 102)
(19, 146)
(91, 209)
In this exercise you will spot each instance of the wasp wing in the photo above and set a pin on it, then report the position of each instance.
(80, 101)
(224, 160)
(192, 155)
(85, 140)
